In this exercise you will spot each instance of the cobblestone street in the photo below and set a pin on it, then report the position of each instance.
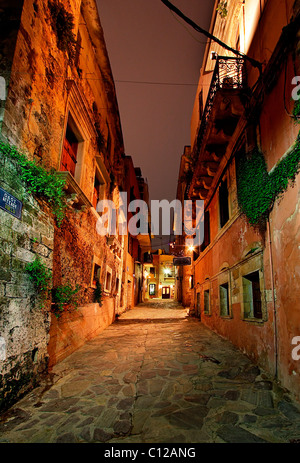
(154, 376)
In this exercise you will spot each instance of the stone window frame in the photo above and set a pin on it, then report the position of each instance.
(224, 278)
(110, 272)
(254, 264)
(79, 120)
(206, 287)
(101, 174)
(118, 285)
(96, 261)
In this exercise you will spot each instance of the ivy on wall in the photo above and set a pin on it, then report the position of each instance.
(41, 277)
(258, 189)
(39, 181)
(222, 9)
(62, 23)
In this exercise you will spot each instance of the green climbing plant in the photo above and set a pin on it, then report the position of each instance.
(296, 111)
(39, 181)
(98, 293)
(41, 277)
(62, 23)
(257, 189)
(65, 295)
(222, 8)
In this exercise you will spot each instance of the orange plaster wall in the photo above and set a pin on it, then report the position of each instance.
(73, 329)
(256, 340)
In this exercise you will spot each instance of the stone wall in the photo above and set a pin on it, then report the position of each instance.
(24, 325)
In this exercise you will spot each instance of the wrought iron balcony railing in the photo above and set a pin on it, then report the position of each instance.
(229, 74)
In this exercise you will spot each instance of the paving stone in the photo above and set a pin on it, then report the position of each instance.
(85, 433)
(66, 438)
(237, 435)
(232, 395)
(189, 418)
(125, 404)
(289, 410)
(250, 419)
(250, 396)
(230, 374)
(263, 385)
(198, 399)
(142, 382)
(59, 405)
(265, 399)
(101, 436)
(13, 418)
(228, 418)
(263, 411)
(94, 411)
(122, 427)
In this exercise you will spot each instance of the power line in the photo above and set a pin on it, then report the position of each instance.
(209, 35)
(154, 83)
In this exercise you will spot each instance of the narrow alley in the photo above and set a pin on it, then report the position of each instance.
(155, 375)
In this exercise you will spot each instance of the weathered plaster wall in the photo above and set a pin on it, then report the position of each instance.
(73, 329)
(45, 88)
(24, 325)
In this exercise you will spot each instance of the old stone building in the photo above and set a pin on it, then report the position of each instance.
(159, 276)
(60, 110)
(244, 158)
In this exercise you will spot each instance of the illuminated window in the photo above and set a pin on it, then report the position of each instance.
(206, 301)
(96, 272)
(152, 289)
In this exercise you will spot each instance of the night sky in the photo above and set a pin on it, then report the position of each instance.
(148, 43)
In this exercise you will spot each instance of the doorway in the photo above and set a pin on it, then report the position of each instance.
(166, 293)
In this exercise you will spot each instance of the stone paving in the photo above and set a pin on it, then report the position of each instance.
(154, 376)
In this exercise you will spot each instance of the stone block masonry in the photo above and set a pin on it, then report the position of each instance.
(24, 325)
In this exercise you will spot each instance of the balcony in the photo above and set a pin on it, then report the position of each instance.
(223, 109)
(76, 197)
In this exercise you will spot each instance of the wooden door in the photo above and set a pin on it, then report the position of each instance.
(166, 293)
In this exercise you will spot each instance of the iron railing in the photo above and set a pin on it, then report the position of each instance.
(229, 74)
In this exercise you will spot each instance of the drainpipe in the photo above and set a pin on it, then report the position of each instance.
(274, 302)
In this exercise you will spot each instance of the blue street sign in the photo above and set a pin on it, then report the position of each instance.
(10, 204)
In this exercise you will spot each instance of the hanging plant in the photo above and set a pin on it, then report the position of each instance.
(222, 9)
(62, 23)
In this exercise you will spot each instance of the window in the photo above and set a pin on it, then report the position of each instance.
(224, 300)
(252, 296)
(69, 154)
(152, 289)
(96, 272)
(200, 104)
(152, 272)
(108, 280)
(206, 301)
(223, 203)
(117, 285)
(206, 240)
(99, 186)
(191, 281)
